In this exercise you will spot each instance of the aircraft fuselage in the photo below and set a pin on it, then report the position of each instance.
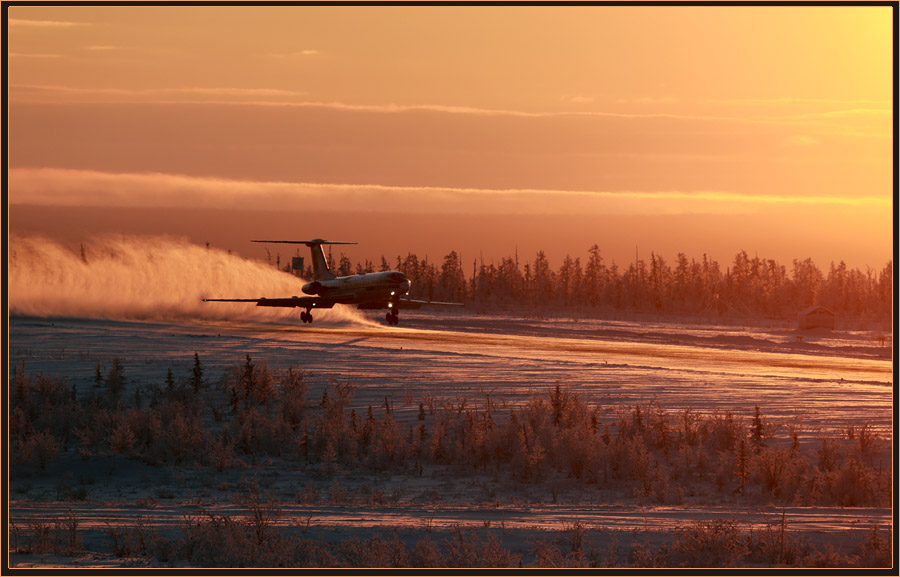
(363, 288)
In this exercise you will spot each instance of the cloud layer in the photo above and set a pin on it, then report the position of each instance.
(59, 187)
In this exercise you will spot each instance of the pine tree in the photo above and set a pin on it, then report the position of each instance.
(196, 374)
(98, 377)
(757, 431)
(115, 378)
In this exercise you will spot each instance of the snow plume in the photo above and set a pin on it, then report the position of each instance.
(147, 278)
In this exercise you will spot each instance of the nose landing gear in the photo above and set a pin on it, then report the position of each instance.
(392, 318)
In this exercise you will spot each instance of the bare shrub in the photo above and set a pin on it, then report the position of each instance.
(464, 549)
(769, 467)
(643, 556)
(630, 459)
(171, 433)
(426, 555)
(221, 453)
(130, 540)
(689, 429)
(829, 558)
(122, 439)
(829, 455)
(33, 539)
(721, 432)
(389, 448)
(868, 440)
(373, 552)
(263, 509)
(292, 388)
(716, 543)
(40, 449)
(260, 433)
(877, 550)
(220, 541)
(774, 544)
(852, 484)
(67, 527)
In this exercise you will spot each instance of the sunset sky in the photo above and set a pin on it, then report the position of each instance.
(486, 130)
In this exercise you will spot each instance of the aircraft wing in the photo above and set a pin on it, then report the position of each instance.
(414, 304)
(311, 302)
(327, 303)
(401, 304)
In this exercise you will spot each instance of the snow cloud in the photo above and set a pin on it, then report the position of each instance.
(146, 278)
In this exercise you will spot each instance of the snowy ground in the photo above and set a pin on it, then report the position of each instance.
(824, 381)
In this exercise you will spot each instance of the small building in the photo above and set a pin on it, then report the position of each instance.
(815, 317)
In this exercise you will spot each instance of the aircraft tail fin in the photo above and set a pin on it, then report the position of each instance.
(320, 263)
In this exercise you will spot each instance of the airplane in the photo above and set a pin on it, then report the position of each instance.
(376, 290)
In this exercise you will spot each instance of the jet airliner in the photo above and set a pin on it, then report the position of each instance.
(376, 290)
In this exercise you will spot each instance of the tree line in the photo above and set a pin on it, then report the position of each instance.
(748, 287)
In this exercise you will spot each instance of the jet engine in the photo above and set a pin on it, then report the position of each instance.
(312, 288)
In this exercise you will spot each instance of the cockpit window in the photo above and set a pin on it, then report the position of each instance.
(398, 277)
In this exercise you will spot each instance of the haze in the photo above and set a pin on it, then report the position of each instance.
(485, 130)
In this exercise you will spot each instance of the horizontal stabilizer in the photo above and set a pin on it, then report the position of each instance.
(310, 243)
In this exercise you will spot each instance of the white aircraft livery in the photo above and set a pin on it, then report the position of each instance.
(376, 290)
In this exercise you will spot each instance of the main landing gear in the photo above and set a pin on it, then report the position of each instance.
(392, 318)
(306, 316)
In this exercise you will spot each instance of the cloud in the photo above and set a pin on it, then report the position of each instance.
(298, 54)
(19, 23)
(156, 95)
(142, 95)
(648, 100)
(26, 55)
(877, 112)
(781, 101)
(841, 122)
(106, 48)
(59, 187)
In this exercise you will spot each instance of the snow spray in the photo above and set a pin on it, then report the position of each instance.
(147, 278)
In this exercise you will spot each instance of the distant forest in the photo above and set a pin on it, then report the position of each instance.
(746, 288)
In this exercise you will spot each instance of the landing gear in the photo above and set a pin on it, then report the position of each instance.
(392, 318)
(306, 317)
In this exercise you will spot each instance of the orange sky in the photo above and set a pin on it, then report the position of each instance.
(694, 129)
